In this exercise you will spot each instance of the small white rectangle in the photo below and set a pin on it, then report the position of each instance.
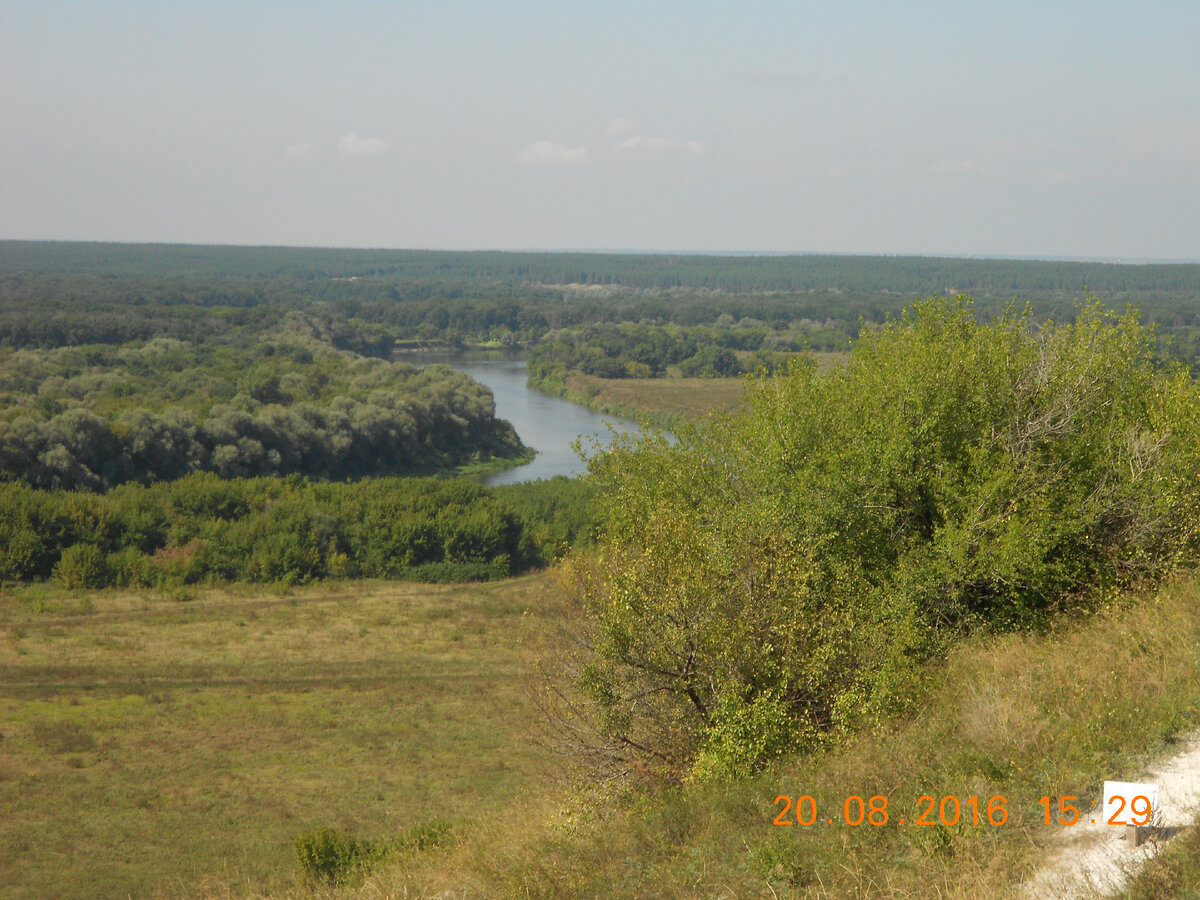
(1128, 803)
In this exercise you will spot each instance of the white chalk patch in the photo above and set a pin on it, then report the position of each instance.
(1093, 859)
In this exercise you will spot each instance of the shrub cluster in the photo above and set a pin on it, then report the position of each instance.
(203, 528)
(776, 577)
(330, 856)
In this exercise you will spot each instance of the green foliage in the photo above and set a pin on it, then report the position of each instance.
(556, 514)
(82, 566)
(645, 351)
(710, 362)
(99, 416)
(328, 856)
(204, 528)
(776, 577)
(331, 856)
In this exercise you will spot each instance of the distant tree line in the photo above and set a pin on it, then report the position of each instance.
(467, 271)
(646, 351)
(202, 528)
(66, 294)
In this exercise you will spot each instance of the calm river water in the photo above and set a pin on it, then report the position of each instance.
(548, 424)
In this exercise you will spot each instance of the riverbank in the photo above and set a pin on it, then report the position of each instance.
(495, 464)
(664, 402)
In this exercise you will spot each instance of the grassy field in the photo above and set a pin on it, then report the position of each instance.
(155, 746)
(666, 399)
(660, 398)
(1015, 717)
(165, 747)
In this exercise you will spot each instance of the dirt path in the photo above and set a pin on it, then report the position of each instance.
(1093, 860)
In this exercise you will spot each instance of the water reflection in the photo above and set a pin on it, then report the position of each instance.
(548, 424)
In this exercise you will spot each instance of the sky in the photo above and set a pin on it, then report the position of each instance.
(1045, 129)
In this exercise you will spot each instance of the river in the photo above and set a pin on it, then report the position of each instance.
(547, 424)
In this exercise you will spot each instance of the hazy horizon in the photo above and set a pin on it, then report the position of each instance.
(635, 252)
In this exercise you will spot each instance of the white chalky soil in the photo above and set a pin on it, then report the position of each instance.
(1094, 860)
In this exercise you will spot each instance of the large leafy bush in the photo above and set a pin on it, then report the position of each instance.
(777, 576)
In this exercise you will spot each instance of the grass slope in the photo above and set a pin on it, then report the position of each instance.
(1017, 716)
(157, 747)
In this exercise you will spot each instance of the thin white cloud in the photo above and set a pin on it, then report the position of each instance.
(956, 167)
(299, 152)
(651, 147)
(550, 155)
(619, 128)
(354, 144)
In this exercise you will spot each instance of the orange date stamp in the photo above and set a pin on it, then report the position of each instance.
(949, 810)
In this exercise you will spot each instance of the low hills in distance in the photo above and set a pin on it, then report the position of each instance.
(980, 276)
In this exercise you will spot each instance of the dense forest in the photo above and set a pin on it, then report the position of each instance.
(98, 415)
(647, 351)
(456, 270)
(60, 294)
(202, 528)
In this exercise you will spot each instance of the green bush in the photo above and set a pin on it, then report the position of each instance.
(327, 855)
(710, 362)
(777, 576)
(82, 566)
(129, 567)
(21, 552)
(331, 856)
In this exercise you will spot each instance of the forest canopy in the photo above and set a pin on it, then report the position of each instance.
(204, 529)
(61, 294)
(285, 403)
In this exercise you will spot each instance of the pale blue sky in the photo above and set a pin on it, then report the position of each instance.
(1034, 129)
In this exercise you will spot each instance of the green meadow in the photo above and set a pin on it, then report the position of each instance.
(158, 747)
